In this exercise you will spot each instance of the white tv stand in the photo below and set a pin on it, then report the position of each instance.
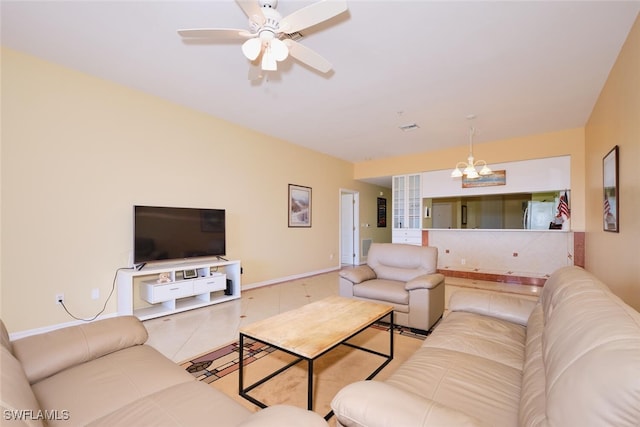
(164, 290)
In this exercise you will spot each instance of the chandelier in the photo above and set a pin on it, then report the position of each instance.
(470, 166)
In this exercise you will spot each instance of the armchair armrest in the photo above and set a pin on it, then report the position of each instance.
(46, 354)
(284, 415)
(494, 304)
(426, 281)
(358, 274)
(378, 404)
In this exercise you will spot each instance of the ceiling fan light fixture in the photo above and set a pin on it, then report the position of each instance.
(267, 29)
(268, 61)
(251, 48)
(279, 50)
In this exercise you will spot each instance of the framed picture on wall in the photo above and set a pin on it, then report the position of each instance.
(611, 203)
(299, 206)
(382, 212)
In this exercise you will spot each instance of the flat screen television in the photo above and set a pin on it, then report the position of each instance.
(168, 233)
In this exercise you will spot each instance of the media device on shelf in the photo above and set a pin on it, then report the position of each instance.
(176, 233)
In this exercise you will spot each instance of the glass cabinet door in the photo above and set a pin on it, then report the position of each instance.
(414, 202)
(407, 201)
(399, 201)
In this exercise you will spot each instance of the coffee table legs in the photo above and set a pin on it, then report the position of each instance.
(243, 391)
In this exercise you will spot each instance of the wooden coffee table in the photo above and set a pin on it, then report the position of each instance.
(311, 331)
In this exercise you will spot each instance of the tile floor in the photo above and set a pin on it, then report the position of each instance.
(184, 335)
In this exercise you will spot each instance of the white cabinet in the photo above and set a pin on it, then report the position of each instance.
(409, 236)
(171, 288)
(407, 206)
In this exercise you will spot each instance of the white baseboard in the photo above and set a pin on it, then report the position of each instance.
(287, 279)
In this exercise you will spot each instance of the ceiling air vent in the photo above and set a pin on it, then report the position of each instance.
(408, 127)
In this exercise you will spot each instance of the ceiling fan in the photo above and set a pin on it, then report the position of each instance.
(270, 35)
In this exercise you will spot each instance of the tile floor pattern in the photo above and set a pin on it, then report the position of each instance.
(183, 336)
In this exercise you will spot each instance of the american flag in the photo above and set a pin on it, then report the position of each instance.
(563, 207)
(607, 206)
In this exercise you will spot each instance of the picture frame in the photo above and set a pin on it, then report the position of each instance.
(300, 207)
(496, 178)
(382, 212)
(610, 191)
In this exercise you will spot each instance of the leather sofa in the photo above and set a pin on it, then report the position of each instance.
(570, 359)
(400, 275)
(102, 374)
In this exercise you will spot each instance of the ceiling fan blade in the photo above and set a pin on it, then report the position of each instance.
(215, 33)
(251, 8)
(312, 15)
(308, 56)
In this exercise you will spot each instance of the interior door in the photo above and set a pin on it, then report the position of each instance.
(347, 226)
(441, 214)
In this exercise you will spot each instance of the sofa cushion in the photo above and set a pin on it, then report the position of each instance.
(494, 304)
(591, 353)
(390, 291)
(75, 345)
(93, 390)
(473, 385)
(401, 262)
(532, 400)
(488, 337)
(4, 338)
(189, 404)
(375, 403)
(358, 273)
(17, 402)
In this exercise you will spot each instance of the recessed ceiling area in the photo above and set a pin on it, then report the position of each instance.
(523, 67)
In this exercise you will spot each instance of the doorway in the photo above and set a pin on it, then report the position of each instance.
(349, 232)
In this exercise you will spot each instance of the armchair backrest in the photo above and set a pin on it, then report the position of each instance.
(396, 261)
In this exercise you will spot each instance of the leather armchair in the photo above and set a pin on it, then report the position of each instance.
(403, 276)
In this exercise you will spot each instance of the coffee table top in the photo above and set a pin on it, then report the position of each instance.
(312, 329)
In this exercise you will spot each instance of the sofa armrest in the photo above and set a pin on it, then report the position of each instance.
(494, 304)
(284, 415)
(46, 354)
(426, 281)
(358, 274)
(378, 404)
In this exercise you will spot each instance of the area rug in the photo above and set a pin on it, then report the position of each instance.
(332, 371)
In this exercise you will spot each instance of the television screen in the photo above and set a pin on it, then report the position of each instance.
(166, 233)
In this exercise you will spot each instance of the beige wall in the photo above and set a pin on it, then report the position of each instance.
(78, 152)
(615, 120)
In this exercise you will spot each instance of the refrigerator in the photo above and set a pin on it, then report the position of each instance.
(538, 215)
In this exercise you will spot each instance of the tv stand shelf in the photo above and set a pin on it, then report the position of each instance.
(164, 290)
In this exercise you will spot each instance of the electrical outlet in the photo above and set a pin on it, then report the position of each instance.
(95, 293)
(59, 298)
(463, 261)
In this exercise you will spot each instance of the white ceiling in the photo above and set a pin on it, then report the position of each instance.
(522, 67)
